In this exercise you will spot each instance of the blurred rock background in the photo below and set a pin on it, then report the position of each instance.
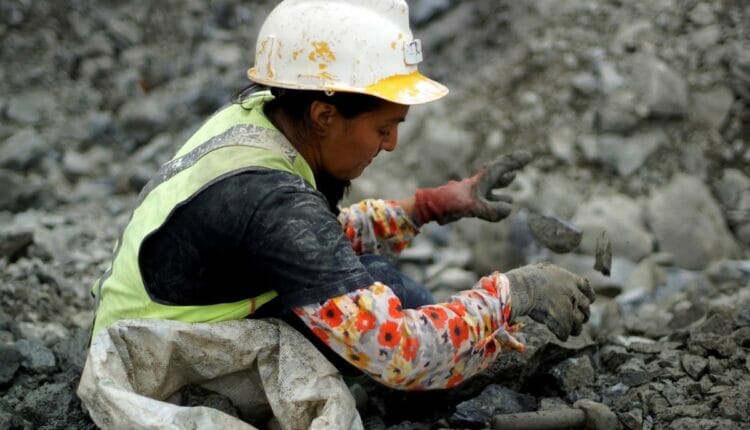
(637, 113)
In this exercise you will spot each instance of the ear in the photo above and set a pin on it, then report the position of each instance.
(322, 115)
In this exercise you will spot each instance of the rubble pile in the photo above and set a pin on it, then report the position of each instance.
(637, 114)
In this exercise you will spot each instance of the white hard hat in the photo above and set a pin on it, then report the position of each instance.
(358, 46)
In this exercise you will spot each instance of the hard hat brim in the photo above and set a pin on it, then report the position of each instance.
(409, 89)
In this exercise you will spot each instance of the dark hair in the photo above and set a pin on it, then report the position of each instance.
(296, 105)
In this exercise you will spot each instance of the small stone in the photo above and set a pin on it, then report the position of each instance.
(634, 372)
(702, 14)
(24, 110)
(632, 419)
(603, 260)
(36, 357)
(22, 150)
(556, 234)
(493, 400)
(694, 365)
(47, 333)
(735, 405)
(48, 403)
(10, 361)
(574, 373)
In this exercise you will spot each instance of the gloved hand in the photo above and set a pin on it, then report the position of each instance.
(552, 296)
(471, 197)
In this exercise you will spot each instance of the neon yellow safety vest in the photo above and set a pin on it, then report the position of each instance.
(235, 139)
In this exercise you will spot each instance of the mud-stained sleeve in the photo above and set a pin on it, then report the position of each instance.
(299, 248)
(431, 347)
(377, 227)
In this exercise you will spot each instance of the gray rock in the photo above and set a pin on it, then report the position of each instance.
(622, 219)
(22, 150)
(634, 372)
(706, 38)
(585, 83)
(663, 92)
(711, 107)
(47, 333)
(627, 154)
(733, 193)
(24, 109)
(217, 53)
(632, 419)
(740, 68)
(618, 113)
(649, 320)
(10, 361)
(632, 35)
(701, 424)
(49, 404)
(422, 11)
(36, 357)
(685, 313)
(574, 373)
(682, 410)
(735, 404)
(685, 212)
(702, 14)
(11, 190)
(555, 233)
(494, 400)
(562, 143)
(694, 365)
(552, 194)
(14, 240)
(141, 118)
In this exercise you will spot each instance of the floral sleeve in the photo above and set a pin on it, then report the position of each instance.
(377, 227)
(431, 347)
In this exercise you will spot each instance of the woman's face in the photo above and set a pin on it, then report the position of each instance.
(350, 145)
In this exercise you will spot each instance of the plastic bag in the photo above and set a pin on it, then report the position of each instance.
(134, 369)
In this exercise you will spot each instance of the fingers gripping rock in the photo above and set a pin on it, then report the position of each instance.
(552, 296)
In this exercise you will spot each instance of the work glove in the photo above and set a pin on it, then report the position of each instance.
(471, 197)
(552, 296)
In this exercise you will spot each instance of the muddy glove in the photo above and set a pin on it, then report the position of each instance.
(552, 296)
(471, 197)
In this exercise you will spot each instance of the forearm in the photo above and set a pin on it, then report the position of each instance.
(378, 226)
(432, 347)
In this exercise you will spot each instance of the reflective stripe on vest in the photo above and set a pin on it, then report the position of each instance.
(237, 139)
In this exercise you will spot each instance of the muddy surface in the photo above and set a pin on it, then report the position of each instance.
(636, 112)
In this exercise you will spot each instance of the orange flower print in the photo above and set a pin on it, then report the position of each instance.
(364, 321)
(321, 334)
(331, 314)
(410, 348)
(437, 315)
(454, 380)
(379, 228)
(389, 334)
(457, 307)
(488, 284)
(394, 308)
(350, 232)
(459, 331)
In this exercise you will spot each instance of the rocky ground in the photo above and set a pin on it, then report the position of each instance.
(637, 113)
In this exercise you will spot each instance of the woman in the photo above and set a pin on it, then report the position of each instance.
(243, 221)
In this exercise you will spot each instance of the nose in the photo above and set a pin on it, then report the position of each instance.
(389, 144)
